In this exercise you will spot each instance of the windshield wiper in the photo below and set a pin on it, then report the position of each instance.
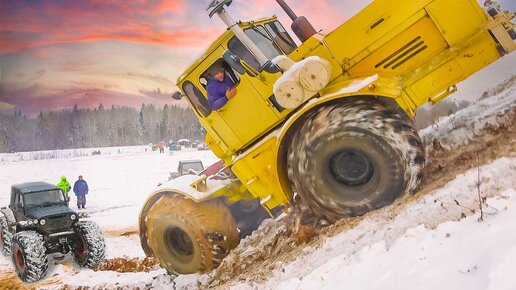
(255, 28)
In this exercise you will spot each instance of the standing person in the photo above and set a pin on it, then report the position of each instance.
(80, 188)
(220, 89)
(65, 187)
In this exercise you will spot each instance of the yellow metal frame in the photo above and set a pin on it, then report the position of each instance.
(418, 49)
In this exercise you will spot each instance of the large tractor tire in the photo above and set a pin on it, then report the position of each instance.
(90, 246)
(189, 237)
(5, 237)
(354, 157)
(29, 257)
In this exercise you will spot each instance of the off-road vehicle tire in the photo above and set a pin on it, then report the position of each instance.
(29, 257)
(354, 157)
(5, 237)
(189, 237)
(90, 247)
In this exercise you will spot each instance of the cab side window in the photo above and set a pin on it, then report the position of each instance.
(18, 200)
(197, 99)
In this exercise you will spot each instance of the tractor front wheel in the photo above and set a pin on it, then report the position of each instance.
(189, 237)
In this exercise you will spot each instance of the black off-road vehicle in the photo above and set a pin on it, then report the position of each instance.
(38, 222)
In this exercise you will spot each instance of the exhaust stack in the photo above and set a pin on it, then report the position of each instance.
(300, 25)
(217, 7)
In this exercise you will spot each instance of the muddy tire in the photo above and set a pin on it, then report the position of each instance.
(90, 246)
(354, 157)
(5, 237)
(189, 237)
(29, 257)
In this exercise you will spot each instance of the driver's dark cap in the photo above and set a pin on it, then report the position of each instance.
(80, 176)
(215, 69)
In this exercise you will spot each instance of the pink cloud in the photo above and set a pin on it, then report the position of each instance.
(25, 26)
(30, 101)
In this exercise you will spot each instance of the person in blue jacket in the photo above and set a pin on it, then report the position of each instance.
(80, 188)
(220, 89)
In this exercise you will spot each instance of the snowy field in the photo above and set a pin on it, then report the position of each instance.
(119, 183)
(435, 242)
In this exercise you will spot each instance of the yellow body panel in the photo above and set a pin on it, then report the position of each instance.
(417, 49)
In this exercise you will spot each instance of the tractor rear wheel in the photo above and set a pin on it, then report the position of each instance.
(189, 237)
(354, 157)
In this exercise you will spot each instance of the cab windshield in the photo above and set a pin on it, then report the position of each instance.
(42, 198)
(271, 38)
(195, 166)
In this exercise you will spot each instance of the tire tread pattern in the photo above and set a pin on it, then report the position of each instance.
(95, 241)
(33, 249)
(372, 115)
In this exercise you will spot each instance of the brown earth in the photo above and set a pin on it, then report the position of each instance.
(123, 265)
(121, 232)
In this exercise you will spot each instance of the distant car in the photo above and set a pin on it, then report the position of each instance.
(187, 167)
(202, 147)
(38, 222)
(174, 147)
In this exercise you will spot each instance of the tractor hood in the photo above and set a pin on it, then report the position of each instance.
(48, 211)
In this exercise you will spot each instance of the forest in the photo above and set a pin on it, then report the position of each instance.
(98, 127)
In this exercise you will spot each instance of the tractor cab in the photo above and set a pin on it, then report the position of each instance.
(254, 109)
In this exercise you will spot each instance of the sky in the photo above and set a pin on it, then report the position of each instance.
(55, 54)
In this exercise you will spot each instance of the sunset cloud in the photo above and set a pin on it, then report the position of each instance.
(16, 98)
(58, 53)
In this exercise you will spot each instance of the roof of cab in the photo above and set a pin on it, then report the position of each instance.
(29, 187)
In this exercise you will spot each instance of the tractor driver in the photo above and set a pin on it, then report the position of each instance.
(220, 88)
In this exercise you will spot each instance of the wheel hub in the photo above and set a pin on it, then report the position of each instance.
(81, 250)
(19, 260)
(178, 243)
(351, 167)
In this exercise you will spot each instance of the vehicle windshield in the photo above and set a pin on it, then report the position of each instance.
(272, 39)
(42, 198)
(196, 166)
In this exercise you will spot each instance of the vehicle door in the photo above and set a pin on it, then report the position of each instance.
(248, 114)
(17, 208)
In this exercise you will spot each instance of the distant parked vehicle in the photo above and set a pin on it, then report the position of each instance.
(187, 167)
(174, 147)
(202, 147)
(184, 142)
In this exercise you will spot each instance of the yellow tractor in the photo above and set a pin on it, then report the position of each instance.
(328, 120)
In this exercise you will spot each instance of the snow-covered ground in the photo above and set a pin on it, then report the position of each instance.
(119, 183)
(435, 241)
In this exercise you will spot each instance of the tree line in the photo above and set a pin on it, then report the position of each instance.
(98, 127)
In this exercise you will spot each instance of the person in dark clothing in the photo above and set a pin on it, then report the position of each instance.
(220, 89)
(80, 188)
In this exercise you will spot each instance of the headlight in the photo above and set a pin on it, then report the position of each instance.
(30, 222)
(35, 222)
(73, 217)
(83, 214)
(42, 222)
